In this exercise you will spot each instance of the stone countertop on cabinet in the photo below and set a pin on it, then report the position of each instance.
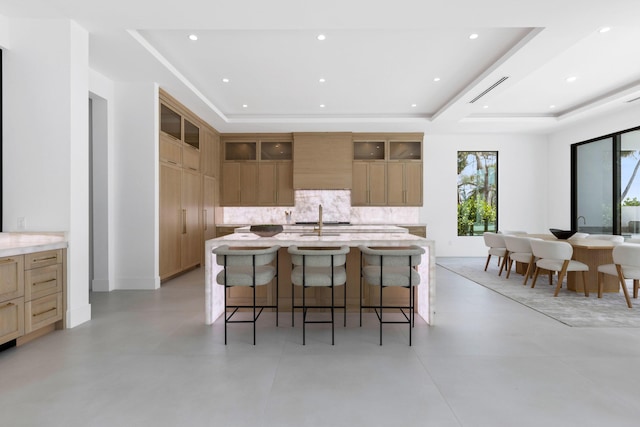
(17, 243)
(331, 228)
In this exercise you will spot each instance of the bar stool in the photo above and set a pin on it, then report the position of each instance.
(391, 267)
(314, 268)
(248, 268)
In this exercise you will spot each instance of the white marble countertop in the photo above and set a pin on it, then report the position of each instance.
(22, 243)
(331, 228)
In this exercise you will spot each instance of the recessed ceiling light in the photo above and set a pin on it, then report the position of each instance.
(552, 106)
(225, 80)
(473, 36)
(322, 105)
(571, 79)
(244, 105)
(321, 37)
(193, 37)
(322, 80)
(414, 105)
(436, 79)
(485, 106)
(605, 29)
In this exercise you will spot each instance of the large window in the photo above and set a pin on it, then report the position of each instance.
(605, 184)
(477, 192)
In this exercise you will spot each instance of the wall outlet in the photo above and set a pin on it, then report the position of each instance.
(22, 223)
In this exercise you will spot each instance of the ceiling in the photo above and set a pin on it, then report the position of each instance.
(379, 60)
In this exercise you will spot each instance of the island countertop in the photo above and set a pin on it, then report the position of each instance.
(332, 228)
(214, 294)
(12, 244)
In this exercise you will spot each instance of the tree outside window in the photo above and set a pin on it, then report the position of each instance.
(477, 192)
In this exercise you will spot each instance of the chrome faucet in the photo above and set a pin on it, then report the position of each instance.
(583, 218)
(319, 229)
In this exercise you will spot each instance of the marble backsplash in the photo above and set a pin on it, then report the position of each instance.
(336, 206)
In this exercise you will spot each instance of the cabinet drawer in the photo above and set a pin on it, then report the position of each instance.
(43, 281)
(11, 319)
(42, 259)
(170, 150)
(42, 312)
(11, 277)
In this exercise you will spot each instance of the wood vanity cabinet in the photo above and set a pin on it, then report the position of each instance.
(32, 295)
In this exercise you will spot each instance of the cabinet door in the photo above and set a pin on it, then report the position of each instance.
(230, 184)
(11, 319)
(191, 249)
(395, 184)
(170, 220)
(209, 191)
(284, 192)
(377, 184)
(249, 183)
(413, 183)
(209, 149)
(360, 182)
(11, 277)
(267, 183)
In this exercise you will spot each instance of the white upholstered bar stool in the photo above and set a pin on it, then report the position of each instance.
(556, 256)
(248, 268)
(519, 250)
(392, 267)
(497, 247)
(626, 265)
(313, 268)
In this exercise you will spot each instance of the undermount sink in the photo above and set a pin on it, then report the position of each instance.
(321, 235)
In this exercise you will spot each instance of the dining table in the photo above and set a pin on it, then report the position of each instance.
(592, 252)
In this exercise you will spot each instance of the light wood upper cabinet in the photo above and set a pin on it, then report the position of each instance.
(369, 184)
(209, 152)
(322, 161)
(256, 170)
(404, 184)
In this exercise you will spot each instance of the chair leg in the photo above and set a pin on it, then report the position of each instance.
(345, 304)
(487, 263)
(535, 277)
(635, 288)
(503, 263)
(526, 275)
(509, 265)
(600, 283)
(561, 275)
(293, 310)
(304, 315)
(584, 281)
(624, 285)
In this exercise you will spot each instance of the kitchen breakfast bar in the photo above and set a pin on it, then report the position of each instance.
(379, 236)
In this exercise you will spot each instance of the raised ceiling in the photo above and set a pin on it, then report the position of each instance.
(379, 61)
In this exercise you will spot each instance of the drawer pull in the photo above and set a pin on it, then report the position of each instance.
(43, 282)
(7, 261)
(44, 312)
(45, 259)
(9, 304)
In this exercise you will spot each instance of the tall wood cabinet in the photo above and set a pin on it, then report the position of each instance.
(188, 199)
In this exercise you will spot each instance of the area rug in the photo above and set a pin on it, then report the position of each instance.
(569, 307)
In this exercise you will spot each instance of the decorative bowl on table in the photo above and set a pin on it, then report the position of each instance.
(562, 234)
(266, 230)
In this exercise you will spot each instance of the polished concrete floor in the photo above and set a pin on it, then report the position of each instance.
(147, 359)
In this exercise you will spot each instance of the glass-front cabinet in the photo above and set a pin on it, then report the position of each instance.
(387, 170)
(257, 170)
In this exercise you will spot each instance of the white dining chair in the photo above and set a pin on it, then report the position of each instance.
(519, 250)
(495, 243)
(626, 265)
(555, 256)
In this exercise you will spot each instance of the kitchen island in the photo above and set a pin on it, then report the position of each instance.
(350, 235)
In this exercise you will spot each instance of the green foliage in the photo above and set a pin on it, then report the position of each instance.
(631, 202)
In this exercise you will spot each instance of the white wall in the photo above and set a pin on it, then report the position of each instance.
(522, 187)
(45, 145)
(136, 186)
(103, 130)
